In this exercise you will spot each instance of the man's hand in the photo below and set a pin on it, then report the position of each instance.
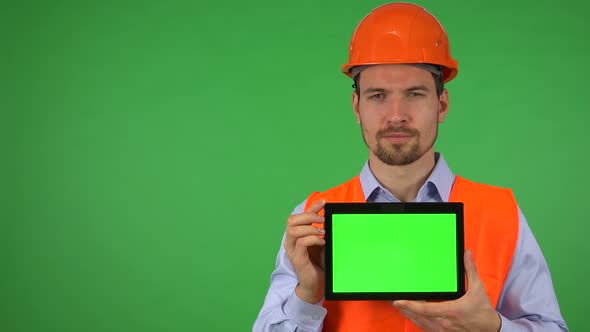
(472, 312)
(305, 250)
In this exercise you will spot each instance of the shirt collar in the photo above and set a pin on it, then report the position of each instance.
(441, 178)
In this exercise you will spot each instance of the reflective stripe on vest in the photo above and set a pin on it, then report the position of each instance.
(491, 233)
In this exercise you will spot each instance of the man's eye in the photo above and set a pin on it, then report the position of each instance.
(377, 96)
(415, 94)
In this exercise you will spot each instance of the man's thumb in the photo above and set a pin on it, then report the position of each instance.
(470, 269)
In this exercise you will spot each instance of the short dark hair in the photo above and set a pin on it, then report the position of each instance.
(438, 82)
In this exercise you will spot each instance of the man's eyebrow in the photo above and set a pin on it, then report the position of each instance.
(382, 90)
(372, 90)
(418, 87)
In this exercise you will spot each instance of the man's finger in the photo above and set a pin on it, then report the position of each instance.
(301, 231)
(303, 243)
(420, 308)
(411, 316)
(316, 255)
(317, 206)
(304, 219)
(420, 321)
(295, 232)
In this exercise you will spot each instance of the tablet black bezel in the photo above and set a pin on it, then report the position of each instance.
(375, 208)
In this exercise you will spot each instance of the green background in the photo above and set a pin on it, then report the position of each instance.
(394, 253)
(152, 150)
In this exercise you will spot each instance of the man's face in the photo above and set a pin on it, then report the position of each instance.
(399, 112)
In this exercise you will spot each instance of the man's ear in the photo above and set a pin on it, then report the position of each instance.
(443, 106)
(355, 106)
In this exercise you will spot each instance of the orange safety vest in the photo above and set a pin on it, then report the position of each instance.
(491, 233)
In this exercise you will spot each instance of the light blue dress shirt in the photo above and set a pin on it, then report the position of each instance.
(527, 301)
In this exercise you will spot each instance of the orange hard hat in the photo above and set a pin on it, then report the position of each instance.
(400, 33)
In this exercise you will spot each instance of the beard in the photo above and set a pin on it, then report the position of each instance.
(399, 154)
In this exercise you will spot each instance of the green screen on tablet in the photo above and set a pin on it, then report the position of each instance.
(394, 251)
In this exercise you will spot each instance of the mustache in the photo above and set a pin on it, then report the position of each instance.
(397, 130)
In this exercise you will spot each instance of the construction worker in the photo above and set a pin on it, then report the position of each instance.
(399, 60)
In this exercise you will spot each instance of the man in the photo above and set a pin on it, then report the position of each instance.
(399, 60)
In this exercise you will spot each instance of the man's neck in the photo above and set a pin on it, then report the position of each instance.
(405, 181)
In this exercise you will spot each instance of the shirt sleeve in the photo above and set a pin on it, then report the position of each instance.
(282, 309)
(528, 301)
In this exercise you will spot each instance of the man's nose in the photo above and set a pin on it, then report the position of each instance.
(396, 111)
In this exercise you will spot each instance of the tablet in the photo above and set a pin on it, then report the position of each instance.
(394, 251)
